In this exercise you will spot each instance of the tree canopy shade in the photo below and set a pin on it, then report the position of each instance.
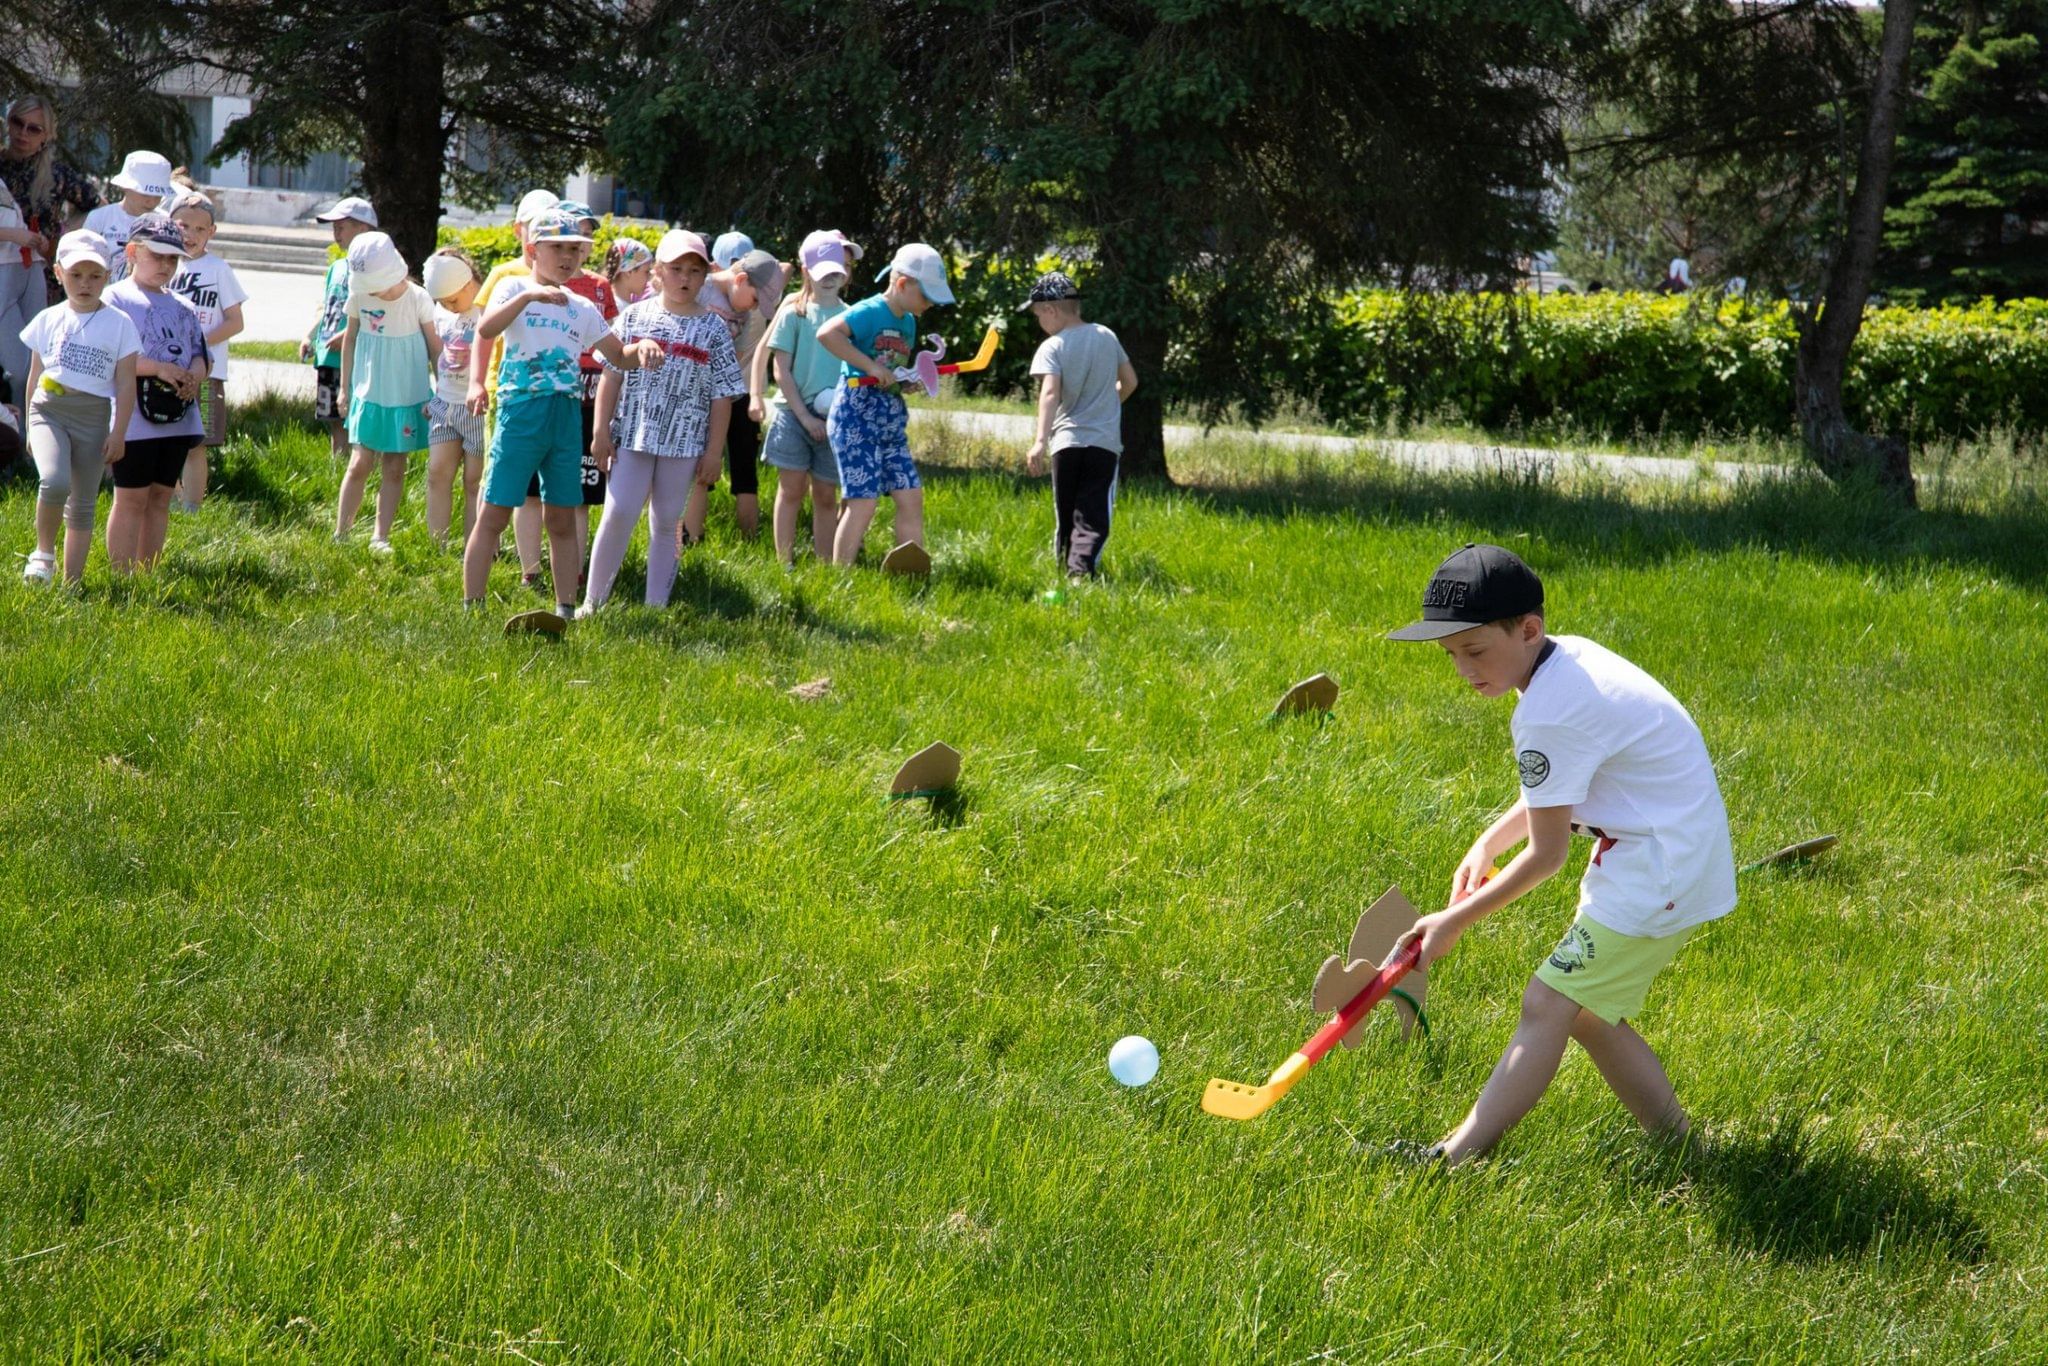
(1211, 165)
(1970, 200)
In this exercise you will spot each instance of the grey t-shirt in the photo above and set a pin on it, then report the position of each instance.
(1085, 357)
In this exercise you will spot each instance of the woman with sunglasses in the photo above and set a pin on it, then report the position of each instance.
(50, 196)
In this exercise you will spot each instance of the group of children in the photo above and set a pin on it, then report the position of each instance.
(633, 389)
(548, 387)
(124, 378)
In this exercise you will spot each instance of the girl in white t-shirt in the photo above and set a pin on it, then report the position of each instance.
(455, 436)
(388, 354)
(81, 376)
(21, 279)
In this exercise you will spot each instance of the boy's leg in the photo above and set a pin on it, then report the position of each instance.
(909, 515)
(1521, 1076)
(491, 520)
(824, 516)
(390, 490)
(526, 535)
(563, 559)
(472, 486)
(558, 435)
(698, 509)
(1633, 1072)
(743, 468)
(854, 516)
(1065, 488)
(1094, 499)
(353, 483)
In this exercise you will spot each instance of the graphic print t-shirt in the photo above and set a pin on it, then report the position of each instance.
(391, 348)
(668, 411)
(81, 350)
(169, 331)
(457, 332)
(210, 285)
(114, 223)
(539, 351)
(874, 328)
(333, 315)
(1597, 734)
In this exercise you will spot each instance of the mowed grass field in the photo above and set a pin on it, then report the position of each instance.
(375, 987)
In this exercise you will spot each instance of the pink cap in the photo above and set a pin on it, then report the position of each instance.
(680, 242)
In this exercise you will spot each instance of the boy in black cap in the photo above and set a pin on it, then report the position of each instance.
(1084, 380)
(1605, 752)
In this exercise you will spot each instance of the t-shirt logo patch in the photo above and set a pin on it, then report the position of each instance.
(1535, 766)
(1574, 951)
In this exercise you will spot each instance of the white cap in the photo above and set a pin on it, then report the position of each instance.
(374, 264)
(445, 275)
(730, 247)
(82, 245)
(922, 264)
(355, 206)
(144, 173)
(680, 242)
(534, 203)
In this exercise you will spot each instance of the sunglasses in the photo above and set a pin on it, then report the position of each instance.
(24, 125)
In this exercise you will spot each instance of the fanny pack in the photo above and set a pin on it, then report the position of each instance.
(159, 402)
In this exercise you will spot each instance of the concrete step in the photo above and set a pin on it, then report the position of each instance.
(291, 251)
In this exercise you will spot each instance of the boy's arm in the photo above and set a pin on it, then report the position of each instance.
(837, 342)
(116, 444)
(230, 325)
(493, 324)
(1550, 842)
(644, 354)
(608, 386)
(1048, 409)
(1509, 830)
(1126, 381)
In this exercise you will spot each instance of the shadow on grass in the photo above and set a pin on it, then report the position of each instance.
(1790, 1194)
(945, 810)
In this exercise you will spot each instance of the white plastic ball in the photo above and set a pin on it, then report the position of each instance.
(1133, 1060)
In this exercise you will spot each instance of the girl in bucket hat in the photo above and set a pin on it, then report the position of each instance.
(144, 181)
(388, 355)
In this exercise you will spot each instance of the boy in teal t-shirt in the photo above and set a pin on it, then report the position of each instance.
(351, 218)
(869, 425)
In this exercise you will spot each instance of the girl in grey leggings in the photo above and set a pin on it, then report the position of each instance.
(68, 439)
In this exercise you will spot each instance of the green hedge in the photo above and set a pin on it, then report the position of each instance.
(1624, 363)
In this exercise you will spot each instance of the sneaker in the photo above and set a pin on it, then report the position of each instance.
(1412, 1153)
(379, 546)
(532, 580)
(41, 568)
(587, 611)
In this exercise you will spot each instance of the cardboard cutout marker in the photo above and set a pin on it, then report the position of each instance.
(1353, 988)
(909, 560)
(927, 773)
(1318, 694)
(541, 622)
(1794, 853)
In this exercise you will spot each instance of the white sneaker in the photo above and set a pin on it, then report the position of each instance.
(41, 568)
(379, 546)
(588, 610)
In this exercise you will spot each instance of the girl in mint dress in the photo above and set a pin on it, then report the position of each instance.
(388, 353)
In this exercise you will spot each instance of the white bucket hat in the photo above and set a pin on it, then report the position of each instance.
(144, 173)
(374, 264)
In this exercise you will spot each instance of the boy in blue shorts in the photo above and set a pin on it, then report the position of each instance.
(539, 427)
(869, 426)
(1603, 751)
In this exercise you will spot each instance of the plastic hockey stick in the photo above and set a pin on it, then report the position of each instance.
(927, 371)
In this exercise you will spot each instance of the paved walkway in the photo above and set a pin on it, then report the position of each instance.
(251, 378)
(281, 307)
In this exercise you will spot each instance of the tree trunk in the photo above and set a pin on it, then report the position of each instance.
(1841, 452)
(405, 144)
(1133, 295)
(1145, 415)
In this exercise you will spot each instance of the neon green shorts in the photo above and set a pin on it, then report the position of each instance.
(1607, 972)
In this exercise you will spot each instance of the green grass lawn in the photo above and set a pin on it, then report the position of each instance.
(266, 350)
(377, 987)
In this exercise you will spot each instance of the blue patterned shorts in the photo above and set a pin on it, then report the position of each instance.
(870, 434)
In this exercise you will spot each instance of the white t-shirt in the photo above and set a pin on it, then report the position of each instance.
(212, 287)
(81, 350)
(544, 345)
(1595, 733)
(114, 223)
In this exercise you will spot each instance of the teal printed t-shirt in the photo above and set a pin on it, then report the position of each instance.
(545, 343)
(816, 370)
(875, 329)
(333, 315)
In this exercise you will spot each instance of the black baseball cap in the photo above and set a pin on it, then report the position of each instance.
(1474, 585)
(1053, 287)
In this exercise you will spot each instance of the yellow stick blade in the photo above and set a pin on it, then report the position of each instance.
(986, 354)
(1235, 1100)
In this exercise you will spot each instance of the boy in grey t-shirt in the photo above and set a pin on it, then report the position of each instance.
(1085, 379)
